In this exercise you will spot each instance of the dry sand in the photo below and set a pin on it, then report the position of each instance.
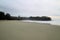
(17, 30)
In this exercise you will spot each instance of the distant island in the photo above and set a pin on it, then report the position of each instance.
(42, 18)
(7, 16)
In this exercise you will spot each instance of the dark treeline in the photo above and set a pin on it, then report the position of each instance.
(7, 16)
(43, 18)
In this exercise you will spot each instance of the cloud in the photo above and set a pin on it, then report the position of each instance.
(33, 7)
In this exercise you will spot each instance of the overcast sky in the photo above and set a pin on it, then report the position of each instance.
(31, 7)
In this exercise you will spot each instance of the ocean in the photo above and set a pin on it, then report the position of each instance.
(55, 21)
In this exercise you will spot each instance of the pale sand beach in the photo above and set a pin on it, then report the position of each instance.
(18, 30)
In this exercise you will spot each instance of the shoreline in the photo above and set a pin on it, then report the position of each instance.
(31, 22)
(44, 22)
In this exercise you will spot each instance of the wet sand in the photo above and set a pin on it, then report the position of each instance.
(18, 30)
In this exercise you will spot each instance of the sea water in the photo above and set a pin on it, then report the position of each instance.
(54, 21)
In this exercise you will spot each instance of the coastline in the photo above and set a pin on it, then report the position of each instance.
(18, 30)
(44, 22)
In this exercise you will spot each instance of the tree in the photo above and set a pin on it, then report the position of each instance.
(45, 18)
(19, 18)
(8, 17)
(2, 15)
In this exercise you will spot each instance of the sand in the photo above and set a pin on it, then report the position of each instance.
(18, 30)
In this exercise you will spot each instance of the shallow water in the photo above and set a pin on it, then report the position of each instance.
(53, 22)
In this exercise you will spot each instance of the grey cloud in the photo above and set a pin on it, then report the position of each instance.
(32, 7)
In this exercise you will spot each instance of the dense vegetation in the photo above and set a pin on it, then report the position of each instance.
(7, 16)
(43, 18)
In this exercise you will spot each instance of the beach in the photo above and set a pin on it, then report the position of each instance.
(19, 30)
